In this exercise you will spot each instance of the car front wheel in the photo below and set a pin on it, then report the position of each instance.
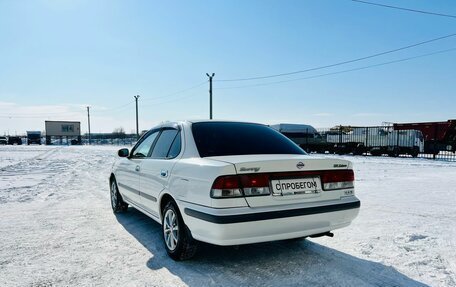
(179, 243)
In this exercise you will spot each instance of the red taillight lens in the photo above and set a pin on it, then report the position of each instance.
(226, 182)
(226, 187)
(240, 185)
(337, 176)
(254, 180)
(255, 184)
(337, 179)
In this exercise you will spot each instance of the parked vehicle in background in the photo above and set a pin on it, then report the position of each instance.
(3, 140)
(438, 136)
(378, 141)
(33, 137)
(13, 140)
(231, 183)
(306, 136)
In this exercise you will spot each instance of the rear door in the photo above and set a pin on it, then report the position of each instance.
(156, 169)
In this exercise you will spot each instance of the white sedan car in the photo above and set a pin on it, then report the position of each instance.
(231, 183)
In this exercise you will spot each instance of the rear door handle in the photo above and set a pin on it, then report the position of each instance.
(164, 173)
(137, 168)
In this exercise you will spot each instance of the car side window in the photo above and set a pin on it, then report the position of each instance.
(175, 147)
(164, 143)
(144, 147)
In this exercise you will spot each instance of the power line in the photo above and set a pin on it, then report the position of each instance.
(123, 107)
(116, 108)
(340, 72)
(178, 92)
(339, 63)
(107, 110)
(41, 115)
(405, 9)
(171, 100)
(26, 117)
(45, 114)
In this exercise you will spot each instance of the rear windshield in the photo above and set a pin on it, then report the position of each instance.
(226, 138)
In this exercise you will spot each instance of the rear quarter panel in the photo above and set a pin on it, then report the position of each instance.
(192, 180)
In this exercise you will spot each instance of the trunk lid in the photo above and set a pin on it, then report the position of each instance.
(283, 169)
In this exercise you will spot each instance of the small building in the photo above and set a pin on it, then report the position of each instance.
(70, 131)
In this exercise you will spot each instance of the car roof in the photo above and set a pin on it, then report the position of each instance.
(172, 123)
(220, 121)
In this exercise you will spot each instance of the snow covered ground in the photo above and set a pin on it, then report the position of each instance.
(57, 228)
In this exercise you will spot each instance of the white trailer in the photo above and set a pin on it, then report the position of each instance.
(378, 141)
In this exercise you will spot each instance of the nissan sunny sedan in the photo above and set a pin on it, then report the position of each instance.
(231, 183)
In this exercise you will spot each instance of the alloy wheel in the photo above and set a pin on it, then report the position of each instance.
(113, 194)
(170, 229)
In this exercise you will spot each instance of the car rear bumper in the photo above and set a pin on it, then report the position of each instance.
(233, 226)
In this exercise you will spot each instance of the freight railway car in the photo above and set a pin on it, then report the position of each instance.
(378, 141)
(438, 136)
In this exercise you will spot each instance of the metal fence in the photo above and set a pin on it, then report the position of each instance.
(95, 139)
(374, 141)
(367, 141)
(110, 139)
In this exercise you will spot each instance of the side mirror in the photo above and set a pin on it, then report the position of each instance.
(124, 152)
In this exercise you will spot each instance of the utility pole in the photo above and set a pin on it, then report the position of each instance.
(210, 94)
(88, 121)
(137, 126)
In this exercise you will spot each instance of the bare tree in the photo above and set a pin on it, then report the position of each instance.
(119, 132)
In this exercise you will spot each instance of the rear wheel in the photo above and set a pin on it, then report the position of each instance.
(179, 243)
(375, 152)
(394, 153)
(117, 203)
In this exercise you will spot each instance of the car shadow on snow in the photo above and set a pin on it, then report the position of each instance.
(279, 263)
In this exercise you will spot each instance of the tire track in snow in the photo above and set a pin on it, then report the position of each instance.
(21, 181)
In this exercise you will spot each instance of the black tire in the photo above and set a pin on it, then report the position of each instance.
(415, 152)
(393, 154)
(179, 243)
(375, 152)
(117, 203)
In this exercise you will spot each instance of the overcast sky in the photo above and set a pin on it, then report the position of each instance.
(57, 57)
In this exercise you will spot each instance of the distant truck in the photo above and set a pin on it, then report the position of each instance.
(33, 137)
(438, 136)
(306, 136)
(3, 140)
(377, 141)
(14, 140)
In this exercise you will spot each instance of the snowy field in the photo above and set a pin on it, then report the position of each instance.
(57, 229)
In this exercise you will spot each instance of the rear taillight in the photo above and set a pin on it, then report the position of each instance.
(337, 179)
(255, 184)
(258, 184)
(240, 185)
(226, 186)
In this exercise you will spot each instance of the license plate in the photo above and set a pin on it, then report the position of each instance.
(308, 185)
